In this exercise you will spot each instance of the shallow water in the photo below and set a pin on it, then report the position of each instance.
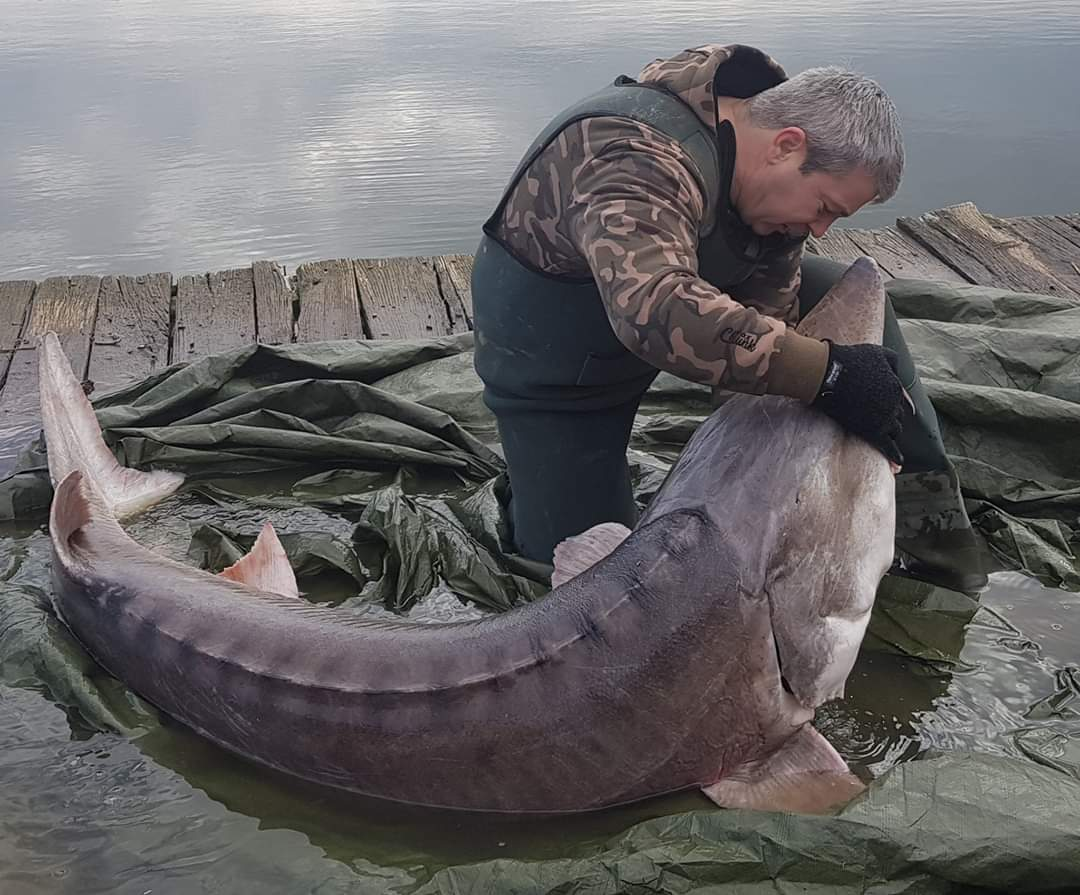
(158, 135)
(159, 809)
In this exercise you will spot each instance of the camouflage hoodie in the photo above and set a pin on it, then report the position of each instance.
(614, 199)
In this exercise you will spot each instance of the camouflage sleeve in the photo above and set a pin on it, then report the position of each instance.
(634, 213)
(773, 288)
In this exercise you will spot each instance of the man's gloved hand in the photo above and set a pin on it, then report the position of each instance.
(862, 392)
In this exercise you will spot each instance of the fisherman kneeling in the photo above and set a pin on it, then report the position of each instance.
(660, 224)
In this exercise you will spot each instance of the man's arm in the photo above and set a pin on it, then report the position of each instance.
(634, 213)
(773, 288)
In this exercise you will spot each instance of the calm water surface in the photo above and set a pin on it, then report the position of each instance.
(148, 135)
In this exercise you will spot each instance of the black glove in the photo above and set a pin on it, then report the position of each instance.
(862, 392)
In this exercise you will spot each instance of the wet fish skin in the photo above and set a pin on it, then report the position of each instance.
(693, 655)
(462, 715)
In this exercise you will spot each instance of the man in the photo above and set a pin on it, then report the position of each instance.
(660, 225)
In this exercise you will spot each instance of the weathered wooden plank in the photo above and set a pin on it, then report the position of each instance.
(836, 244)
(15, 297)
(896, 255)
(1065, 233)
(273, 303)
(455, 281)
(923, 230)
(1062, 227)
(1059, 253)
(899, 256)
(67, 306)
(401, 299)
(329, 306)
(131, 336)
(1073, 220)
(214, 312)
(984, 254)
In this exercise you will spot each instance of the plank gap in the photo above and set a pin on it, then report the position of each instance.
(215, 312)
(132, 331)
(16, 298)
(401, 299)
(454, 274)
(68, 307)
(329, 303)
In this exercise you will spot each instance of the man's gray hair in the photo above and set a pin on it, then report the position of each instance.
(848, 119)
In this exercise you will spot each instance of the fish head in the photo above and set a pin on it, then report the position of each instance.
(853, 311)
(836, 527)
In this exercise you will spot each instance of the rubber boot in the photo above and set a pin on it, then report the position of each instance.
(934, 538)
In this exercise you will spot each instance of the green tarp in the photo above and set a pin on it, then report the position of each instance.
(378, 464)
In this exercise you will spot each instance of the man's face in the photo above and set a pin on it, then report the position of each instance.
(779, 198)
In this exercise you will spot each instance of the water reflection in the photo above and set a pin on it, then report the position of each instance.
(153, 136)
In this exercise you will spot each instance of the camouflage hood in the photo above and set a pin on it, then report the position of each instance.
(735, 69)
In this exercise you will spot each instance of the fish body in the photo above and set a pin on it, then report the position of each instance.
(688, 653)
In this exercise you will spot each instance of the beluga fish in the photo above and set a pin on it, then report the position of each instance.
(688, 653)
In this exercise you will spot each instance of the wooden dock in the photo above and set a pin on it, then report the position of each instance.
(117, 328)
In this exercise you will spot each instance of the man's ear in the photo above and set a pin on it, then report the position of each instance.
(787, 142)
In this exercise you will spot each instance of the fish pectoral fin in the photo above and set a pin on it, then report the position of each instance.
(574, 555)
(806, 776)
(265, 567)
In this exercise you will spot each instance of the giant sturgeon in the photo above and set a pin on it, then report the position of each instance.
(688, 653)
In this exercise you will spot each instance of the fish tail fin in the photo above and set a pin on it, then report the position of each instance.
(806, 775)
(74, 442)
(265, 567)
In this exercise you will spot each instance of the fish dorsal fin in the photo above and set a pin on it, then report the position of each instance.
(266, 566)
(574, 555)
(73, 440)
